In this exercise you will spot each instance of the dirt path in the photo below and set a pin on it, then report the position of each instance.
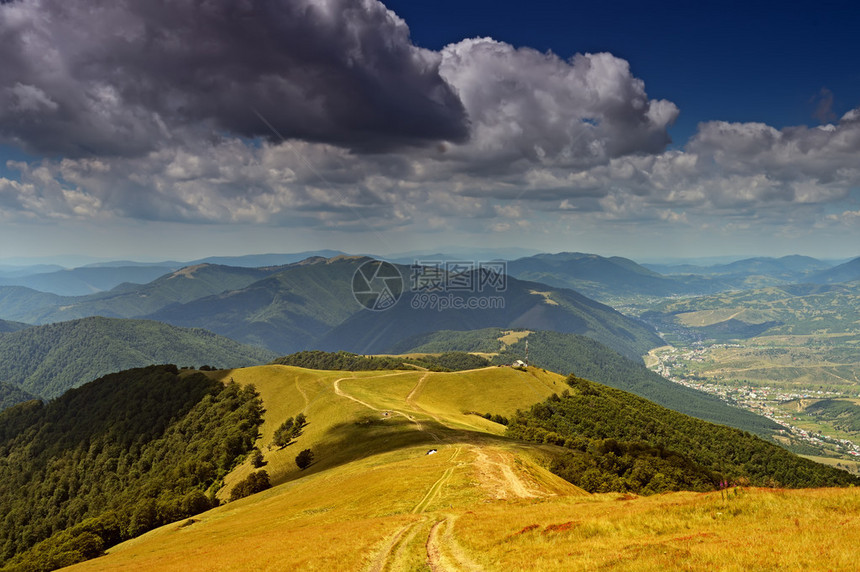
(408, 417)
(394, 554)
(418, 387)
(443, 551)
(496, 475)
(304, 394)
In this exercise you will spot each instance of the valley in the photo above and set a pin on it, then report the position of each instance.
(780, 377)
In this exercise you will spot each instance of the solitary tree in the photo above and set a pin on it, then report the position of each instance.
(304, 459)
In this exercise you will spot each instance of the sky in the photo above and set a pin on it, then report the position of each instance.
(180, 129)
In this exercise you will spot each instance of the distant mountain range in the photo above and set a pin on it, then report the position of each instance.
(87, 280)
(309, 305)
(126, 300)
(606, 278)
(847, 272)
(521, 305)
(792, 268)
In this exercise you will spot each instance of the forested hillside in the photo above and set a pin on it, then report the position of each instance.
(284, 312)
(112, 459)
(620, 442)
(6, 327)
(12, 395)
(48, 360)
(520, 305)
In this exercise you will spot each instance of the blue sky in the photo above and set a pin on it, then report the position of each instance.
(621, 128)
(735, 61)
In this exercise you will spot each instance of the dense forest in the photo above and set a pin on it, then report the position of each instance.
(47, 360)
(12, 395)
(617, 441)
(345, 361)
(115, 458)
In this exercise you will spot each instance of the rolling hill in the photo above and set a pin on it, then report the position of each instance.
(576, 354)
(605, 278)
(21, 304)
(373, 498)
(793, 268)
(48, 360)
(847, 272)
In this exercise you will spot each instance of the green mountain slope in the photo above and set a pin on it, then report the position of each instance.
(25, 304)
(576, 354)
(127, 300)
(521, 305)
(6, 327)
(115, 458)
(847, 272)
(12, 395)
(283, 312)
(621, 442)
(48, 360)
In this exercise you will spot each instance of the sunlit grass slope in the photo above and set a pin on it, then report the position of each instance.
(375, 500)
(356, 414)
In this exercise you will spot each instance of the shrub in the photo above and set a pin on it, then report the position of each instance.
(253, 483)
(304, 459)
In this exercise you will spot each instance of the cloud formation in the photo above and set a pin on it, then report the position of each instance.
(149, 110)
(118, 78)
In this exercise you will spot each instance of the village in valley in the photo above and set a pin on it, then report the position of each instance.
(673, 363)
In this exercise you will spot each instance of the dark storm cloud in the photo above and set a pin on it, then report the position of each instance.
(98, 77)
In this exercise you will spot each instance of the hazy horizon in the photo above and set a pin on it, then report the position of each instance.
(643, 131)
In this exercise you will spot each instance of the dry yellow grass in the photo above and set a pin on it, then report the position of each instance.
(511, 337)
(375, 500)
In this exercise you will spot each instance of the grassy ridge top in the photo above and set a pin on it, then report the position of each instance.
(573, 353)
(374, 499)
